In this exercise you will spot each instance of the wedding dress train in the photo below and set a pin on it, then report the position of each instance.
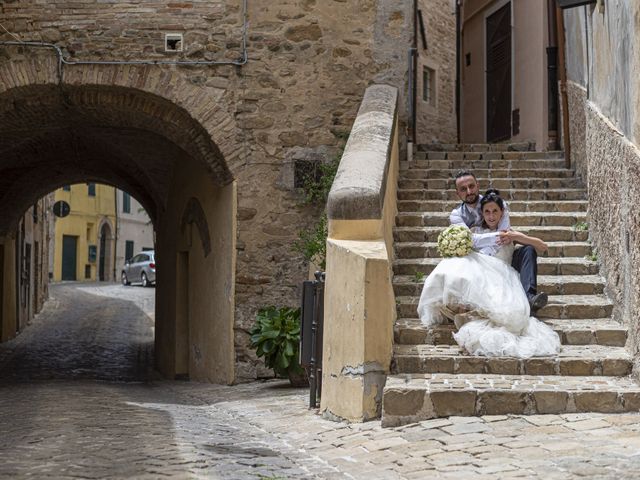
(488, 289)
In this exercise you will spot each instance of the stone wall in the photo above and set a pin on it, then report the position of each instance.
(436, 119)
(577, 96)
(614, 218)
(294, 100)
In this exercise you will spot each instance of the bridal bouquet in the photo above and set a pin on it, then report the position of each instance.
(455, 241)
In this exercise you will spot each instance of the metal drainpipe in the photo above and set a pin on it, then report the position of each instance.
(115, 235)
(65, 61)
(458, 68)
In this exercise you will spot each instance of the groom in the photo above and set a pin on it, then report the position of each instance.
(468, 213)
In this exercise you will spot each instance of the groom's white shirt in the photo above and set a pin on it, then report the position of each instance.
(472, 217)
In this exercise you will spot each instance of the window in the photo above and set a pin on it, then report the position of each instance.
(128, 249)
(66, 188)
(87, 271)
(428, 86)
(91, 189)
(126, 202)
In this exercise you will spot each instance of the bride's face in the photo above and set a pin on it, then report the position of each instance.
(492, 214)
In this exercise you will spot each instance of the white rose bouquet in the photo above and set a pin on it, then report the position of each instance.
(455, 241)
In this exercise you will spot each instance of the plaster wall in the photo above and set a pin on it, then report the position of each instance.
(87, 213)
(575, 26)
(135, 226)
(614, 64)
(194, 318)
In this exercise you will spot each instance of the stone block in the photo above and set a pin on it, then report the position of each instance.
(495, 402)
(602, 402)
(578, 367)
(616, 367)
(550, 401)
(403, 402)
(453, 403)
(540, 366)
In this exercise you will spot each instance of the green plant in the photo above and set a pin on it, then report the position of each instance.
(593, 256)
(581, 227)
(418, 277)
(276, 337)
(312, 243)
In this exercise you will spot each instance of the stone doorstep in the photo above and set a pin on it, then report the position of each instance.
(405, 285)
(499, 183)
(493, 173)
(573, 360)
(559, 306)
(413, 398)
(427, 206)
(409, 250)
(509, 194)
(590, 331)
(518, 219)
(546, 266)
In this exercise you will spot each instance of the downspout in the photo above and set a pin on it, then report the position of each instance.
(115, 235)
(414, 49)
(458, 68)
(562, 71)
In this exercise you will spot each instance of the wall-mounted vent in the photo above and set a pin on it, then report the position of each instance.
(173, 42)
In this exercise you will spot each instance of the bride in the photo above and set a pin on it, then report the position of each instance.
(482, 293)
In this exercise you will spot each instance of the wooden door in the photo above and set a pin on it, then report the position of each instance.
(69, 257)
(499, 75)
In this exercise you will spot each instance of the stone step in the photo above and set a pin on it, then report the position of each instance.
(559, 306)
(493, 173)
(413, 398)
(490, 160)
(518, 219)
(514, 206)
(584, 331)
(429, 249)
(548, 234)
(483, 147)
(546, 266)
(499, 183)
(573, 360)
(411, 285)
(508, 194)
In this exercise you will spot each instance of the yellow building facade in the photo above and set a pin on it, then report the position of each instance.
(85, 238)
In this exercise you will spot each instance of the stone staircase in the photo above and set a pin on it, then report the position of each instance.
(432, 377)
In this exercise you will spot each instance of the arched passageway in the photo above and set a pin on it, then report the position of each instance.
(54, 135)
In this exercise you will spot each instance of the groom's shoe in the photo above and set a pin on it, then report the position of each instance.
(538, 301)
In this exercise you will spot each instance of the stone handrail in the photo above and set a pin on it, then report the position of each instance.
(359, 301)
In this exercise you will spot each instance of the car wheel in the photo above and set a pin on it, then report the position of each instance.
(145, 280)
(125, 280)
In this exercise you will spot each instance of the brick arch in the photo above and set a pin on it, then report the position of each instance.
(53, 134)
(179, 86)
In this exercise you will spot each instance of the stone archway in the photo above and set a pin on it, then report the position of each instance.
(148, 145)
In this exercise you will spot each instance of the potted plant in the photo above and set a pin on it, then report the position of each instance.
(276, 337)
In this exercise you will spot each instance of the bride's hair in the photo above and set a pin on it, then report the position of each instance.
(491, 195)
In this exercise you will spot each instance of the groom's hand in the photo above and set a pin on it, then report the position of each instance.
(504, 238)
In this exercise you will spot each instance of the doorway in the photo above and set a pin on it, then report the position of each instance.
(69, 257)
(498, 77)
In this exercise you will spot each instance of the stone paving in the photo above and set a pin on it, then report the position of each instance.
(78, 400)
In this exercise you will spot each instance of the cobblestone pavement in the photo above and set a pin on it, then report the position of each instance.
(77, 400)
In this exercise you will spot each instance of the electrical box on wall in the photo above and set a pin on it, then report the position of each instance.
(173, 42)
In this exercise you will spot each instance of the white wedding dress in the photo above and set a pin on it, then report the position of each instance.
(490, 289)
